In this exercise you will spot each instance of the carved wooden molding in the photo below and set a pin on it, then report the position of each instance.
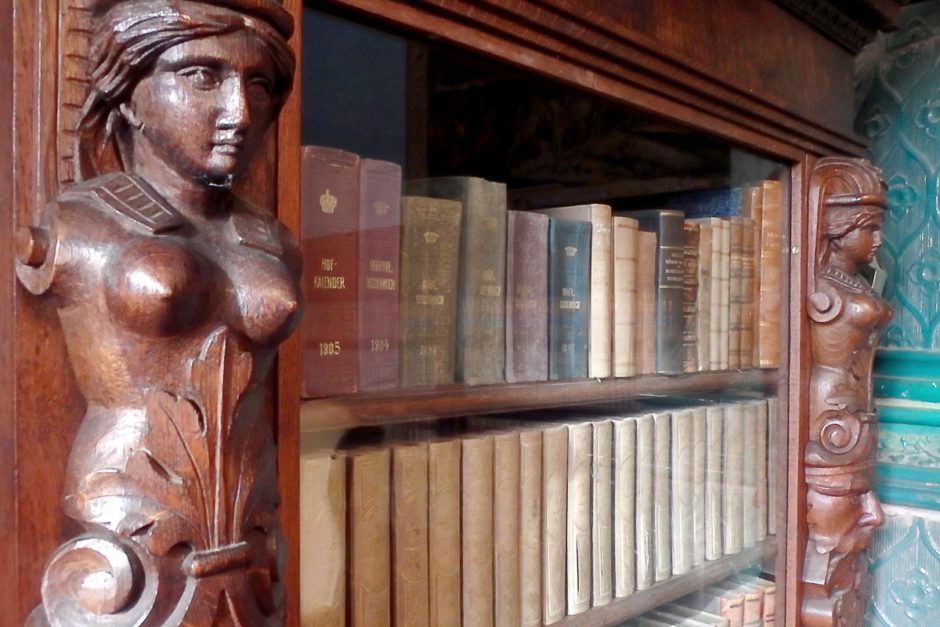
(847, 198)
(173, 295)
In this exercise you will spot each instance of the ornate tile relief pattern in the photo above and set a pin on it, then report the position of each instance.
(909, 445)
(905, 567)
(899, 90)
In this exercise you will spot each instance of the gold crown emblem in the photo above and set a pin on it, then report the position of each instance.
(431, 238)
(570, 251)
(381, 208)
(328, 202)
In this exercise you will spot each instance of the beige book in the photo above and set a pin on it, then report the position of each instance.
(662, 516)
(710, 290)
(769, 605)
(753, 600)
(322, 540)
(646, 303)
(645, 567)
(706, 618)
(773, 409)
(444, 532)
(752, 206)
(770, 275)
(530, 527)
(410, 535)
(749, 512)
(703, 304)
(625, 269)
(476, 516)
(554, 521)
(748, 304)
(580, 440)
(602, 579)
(720, 601)
(698, 484)
(369, 547)
(724, 308)
(624, 506)
(736, 292)
(681, 491)
(714, 438)
(761, 496)
(602, 289)
(506, 518)
(731, 486)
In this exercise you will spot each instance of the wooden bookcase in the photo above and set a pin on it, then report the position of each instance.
(747, 73)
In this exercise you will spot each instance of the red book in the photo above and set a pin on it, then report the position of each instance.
(379, 273)
(330, 241)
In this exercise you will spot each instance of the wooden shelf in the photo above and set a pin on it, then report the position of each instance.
(699, 577)
(420, 404)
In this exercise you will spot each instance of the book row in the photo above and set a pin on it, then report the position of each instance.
(445, 284)
(744, 600)
(528, 524)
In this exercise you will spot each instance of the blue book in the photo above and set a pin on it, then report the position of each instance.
(569, 294)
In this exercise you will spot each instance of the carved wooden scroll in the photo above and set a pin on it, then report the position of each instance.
(173, 294)
(847, 317)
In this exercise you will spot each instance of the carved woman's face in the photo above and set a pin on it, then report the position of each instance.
(861, 243)
(205, 107)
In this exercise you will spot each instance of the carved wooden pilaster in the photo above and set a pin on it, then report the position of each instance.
(847, 198)
(173, 295)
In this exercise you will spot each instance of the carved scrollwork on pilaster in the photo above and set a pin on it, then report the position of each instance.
(173, 294)
(846, 319)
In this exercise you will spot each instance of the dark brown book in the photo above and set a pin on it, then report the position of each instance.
(646, 303)
(370, 587)
(410, 535)
(690, 280)
(481, 306)
(329, 239)
(429, 258)
(526, 297)
(379, 238)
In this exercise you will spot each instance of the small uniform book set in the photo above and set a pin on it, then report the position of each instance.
(435, 281)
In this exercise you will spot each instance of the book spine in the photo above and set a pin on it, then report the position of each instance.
(429, 273)
(646, 303)
(600, 328)
(691, 233)
(602, 514)
(771, 275)
(530, 527)
(749, 474)
(625, 286)
(477, 530)
(756, 202)
(736, 293)
(725, 296)
(410, 535)
(645, 549)
(329, 241)
(748, 282)
(322, 541)
(444, 544)
(526, 297)
(662, 511)
(506, 537)
(569, 286)
(732, 479)
(773, 408)
(699, 427)
(554, 521)
(579, 518)
(624, 506)
(703, 300)
(369, 547)
(760, 474)
(714, 430)
(379, 273)
(681, 476)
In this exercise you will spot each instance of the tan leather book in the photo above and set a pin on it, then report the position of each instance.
(681, 466)
(699, 425)
(322, 540)
(602, 514)
(444, 548)
(662, 501)
(476, 515)
(773, 409)
(645, 462)
(714, 430)
(753, 600)
(691, 235)
(736, 293)
(530, 527)
(506, 534)
(625, 282)
(769, 605)
(704, 306)
(370, 589)
(410, 535)
(580, 440)
(602, 289)
(752, 206)
(554, 521)
(748, 291)
(761, 497)
(624, 497)
(724, 309)
(749, 511)
(770, 276)
(646, 303)
(732, 501)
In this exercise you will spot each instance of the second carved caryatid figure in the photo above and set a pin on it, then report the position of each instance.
(173, 294)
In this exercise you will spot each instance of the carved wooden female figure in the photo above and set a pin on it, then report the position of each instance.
(847, 318)
(173, 294)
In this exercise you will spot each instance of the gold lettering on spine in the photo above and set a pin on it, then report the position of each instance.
(329, 282)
